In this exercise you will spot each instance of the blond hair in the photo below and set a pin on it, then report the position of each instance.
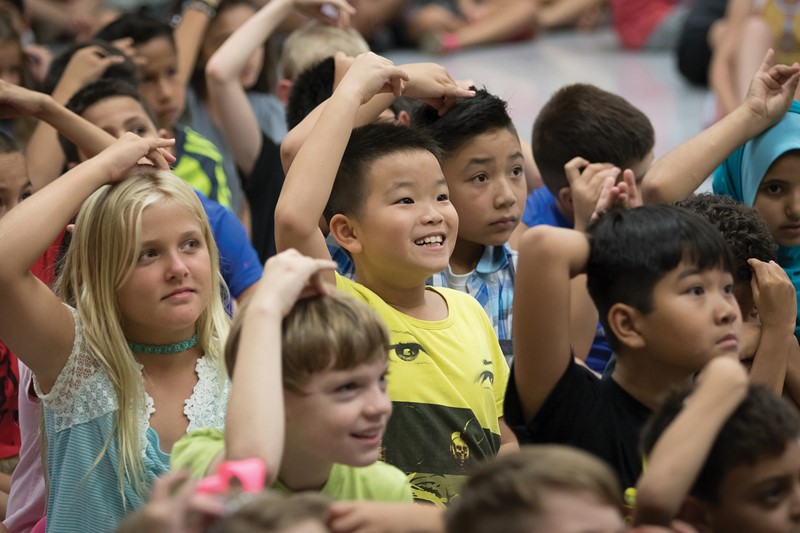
(508, 492)
(335, 331)
(101, 257)
(314, 42)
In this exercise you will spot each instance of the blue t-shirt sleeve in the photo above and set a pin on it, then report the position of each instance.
(238, 259)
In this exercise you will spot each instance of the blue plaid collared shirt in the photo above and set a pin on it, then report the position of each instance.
(491, 283)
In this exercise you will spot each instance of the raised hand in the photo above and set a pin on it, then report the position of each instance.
(371, 74)
(290, 276)
(432, 84)
(774, 295)
(771, 92)
(129, 150)
(588, 181)
(16, 101)
(336, 12)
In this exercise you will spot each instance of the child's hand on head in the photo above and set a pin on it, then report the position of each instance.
(586, 182)
(130, 150)
(87, 65)
(16, 101)
(378, 517)
(432, 84)
(290, 276)
(371, 74)
(336, 12)
(774, 295)
(772, 90)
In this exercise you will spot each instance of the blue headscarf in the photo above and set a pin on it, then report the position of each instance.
(740, 176)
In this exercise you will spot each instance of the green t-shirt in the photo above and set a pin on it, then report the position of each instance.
(377, 482)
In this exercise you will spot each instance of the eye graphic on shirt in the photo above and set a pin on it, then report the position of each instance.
(407, 351)
(486, 378)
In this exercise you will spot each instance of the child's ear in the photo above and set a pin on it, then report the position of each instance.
(284, 89)
(624, 321)
(345, 231)
(695, 513)
(403, 118)
(565, 197)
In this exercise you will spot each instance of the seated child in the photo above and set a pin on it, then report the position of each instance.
(483, 164)
(662, 281)
(763, 291)
(540, 489)
(331, 351)
(567, 127)
(723, 456)
(382, 191)
(199, 161)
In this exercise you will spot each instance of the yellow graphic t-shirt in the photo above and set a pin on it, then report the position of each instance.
(447, 380)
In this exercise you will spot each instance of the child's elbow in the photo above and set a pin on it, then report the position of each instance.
(291, 226)
(214, 72)
(252, 450)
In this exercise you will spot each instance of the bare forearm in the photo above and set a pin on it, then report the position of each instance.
(254, 424)
(309, 180)
(770, 360)
(792, 384)
(564, 12)
(90, 139)
(682, 449)
(677, 174)
(188, 37)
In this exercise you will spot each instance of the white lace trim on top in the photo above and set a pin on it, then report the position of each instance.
(82, 391)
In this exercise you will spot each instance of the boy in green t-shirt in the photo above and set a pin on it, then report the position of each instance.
(321, 428)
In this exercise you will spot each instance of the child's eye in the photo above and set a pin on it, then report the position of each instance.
(697, 290)
(728, 289)
(442, 198)
(138, 130)
(406, 201)
(480, 178)
(383, 380)
(347, 387)
(192, 244)
(146, 255)
(773, 189)
(517, 172)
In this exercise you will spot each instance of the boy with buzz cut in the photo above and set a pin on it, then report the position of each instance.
(388, 206)
(200, 162)
(483, 164)
(661, 279)
(722, 456)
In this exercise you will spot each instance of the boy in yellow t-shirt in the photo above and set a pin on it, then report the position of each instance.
(387, 205)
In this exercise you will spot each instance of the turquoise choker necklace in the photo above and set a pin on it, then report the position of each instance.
(164, 349)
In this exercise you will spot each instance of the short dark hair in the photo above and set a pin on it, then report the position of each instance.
(125, 71)
(367, 145)
(313, 86)
(93, 93)
(583, 120)
(744, 230)
(761, 427)
(467, 119)
(632, 250)
(509, 492)
(140, 28)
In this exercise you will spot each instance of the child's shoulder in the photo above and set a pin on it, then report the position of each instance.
(377, 482)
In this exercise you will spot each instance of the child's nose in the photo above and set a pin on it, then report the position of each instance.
(504, 194)
(177, 267)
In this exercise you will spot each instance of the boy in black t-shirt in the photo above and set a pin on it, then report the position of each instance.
(661, 279)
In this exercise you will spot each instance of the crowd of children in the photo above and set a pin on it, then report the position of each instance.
(257, 278)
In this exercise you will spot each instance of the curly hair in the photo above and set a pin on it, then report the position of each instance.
(745, 232)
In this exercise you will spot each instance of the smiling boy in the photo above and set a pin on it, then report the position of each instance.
(484, 168)
(382, 190)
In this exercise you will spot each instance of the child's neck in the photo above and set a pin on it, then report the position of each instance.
(647, 380)
(413, 299)
(466, 256)
(301, 471)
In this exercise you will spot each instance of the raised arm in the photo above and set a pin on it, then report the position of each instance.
(677, 174)
(548, 259)
(237, 120)
(310, 179)
(776, 300)
(428, 82)
(255, 420)
(723, 75)
(33, 322)
(681, 451)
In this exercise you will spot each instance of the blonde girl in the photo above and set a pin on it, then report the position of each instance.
(127, 360)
